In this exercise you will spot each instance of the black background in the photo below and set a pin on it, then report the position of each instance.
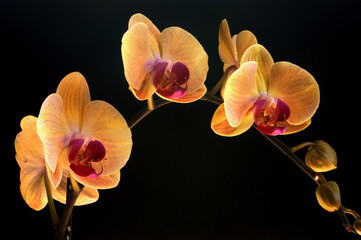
(182, 181)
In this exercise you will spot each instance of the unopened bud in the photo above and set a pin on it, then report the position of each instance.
(328, 196)
(357, 225)
(321, 157)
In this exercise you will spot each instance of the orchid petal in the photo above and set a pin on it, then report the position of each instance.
(53, 129)
(240, 92)
(264, 61)
(221, 126)
(188, 98)
(244, 40)
(137, 54)
(154, 34)
(100, 182)
(74, 91)
(297, 88)
(226, 48)
(30, 157)
(102, 122)
(296, 128)
(28, 145)
(179, 45)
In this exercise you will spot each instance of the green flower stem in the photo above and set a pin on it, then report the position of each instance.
(73, 191)
(53, 214)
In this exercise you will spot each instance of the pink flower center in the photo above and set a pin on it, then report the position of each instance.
(170, 80)
(84, 155)
(270, 115)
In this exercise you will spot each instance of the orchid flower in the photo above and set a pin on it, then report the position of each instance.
(34, 170)
(280, 98)
(171, 63)
(90, 140)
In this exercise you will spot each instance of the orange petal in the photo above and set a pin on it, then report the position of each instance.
(297, 88)
(100, 182)
(104, 123)
(74, 91)
(296, 128)
(53, 129)
(136, 54)
(244, 40)
(146, 90)
(180, 46)
(227, 50)
(264, 61)
(240, 92)
(191, 97)
(221, 126)
(30, 157)
(28, 145)
(154, 33)
(32, 186)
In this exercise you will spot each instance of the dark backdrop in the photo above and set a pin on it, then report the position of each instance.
(183, 181)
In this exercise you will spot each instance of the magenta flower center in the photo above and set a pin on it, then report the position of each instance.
(85, 157)
(270, 115)
(170, 80)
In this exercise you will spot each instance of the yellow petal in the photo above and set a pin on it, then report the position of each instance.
(297, 88)
(221, 126)
(74, 91)
(227, 50)
(180, 46)
(146, 90)
(104, 123)
(244, 40)
(240, 92)
(154, 34)
(191, 97)
(136, 54)
(32, 186)
(100, 182)
(296, 128)
(28, 145)
(30, 157)
(53, 129)
(264, 61)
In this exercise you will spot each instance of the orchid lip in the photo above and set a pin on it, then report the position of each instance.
(270, 115)
(170, 79)
(82, 156)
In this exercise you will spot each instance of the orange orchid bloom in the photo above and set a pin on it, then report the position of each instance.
(90, 140)
(280, 98)
(171, 63)
(34, 170)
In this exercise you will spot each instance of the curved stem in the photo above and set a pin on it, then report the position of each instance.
(352, 212)
(73, 191)
(53, 214)
(301, 145)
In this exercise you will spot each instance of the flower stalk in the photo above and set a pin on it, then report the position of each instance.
(64, 227)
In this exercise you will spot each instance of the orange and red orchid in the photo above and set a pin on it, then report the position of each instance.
(88, 139)
(171, 63)
(34, 170)
(280, 98)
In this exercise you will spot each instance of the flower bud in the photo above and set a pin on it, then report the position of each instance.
(328, 196)
(357, 225)
(321, 157)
